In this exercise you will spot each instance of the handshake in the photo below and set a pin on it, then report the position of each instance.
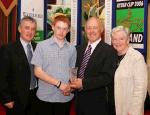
(73, 84)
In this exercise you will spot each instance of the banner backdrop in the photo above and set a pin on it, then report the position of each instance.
(108, 20)
(8, 19)
(35, 9)
(7, 6)
(103, 10)
(63, 7)
(133, 14)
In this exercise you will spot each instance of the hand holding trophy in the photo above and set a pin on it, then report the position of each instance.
(73, 74)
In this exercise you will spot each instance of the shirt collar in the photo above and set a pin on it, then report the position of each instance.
(94, 44)
(52, 41)
(24, 43)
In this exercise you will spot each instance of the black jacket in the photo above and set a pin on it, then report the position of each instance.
(14, 74)
(97, 94)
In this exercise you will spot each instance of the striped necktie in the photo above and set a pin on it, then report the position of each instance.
(85, 60)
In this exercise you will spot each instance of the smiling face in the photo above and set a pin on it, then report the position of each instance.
(93, 29)
(120, 41)
(27, 30)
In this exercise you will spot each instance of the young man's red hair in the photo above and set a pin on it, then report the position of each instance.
(61, 18)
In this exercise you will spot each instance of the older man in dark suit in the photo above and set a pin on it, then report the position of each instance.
(17, 82)
(97, 63)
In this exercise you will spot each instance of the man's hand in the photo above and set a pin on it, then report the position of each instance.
(9, 105)
(65, 88)
(76, 84)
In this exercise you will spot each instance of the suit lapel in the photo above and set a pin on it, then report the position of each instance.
(21, 53)
(94, 54)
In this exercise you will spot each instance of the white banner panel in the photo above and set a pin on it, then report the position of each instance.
(108, 20)
(35, 9)
(74, 14)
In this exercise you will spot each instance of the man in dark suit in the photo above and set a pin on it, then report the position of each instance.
(94, 95)
(17, 82)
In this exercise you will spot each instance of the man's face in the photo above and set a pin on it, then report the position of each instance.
(93, 30)
(60, 30)
(27, 30)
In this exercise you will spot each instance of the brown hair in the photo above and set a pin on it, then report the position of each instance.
(62, 18)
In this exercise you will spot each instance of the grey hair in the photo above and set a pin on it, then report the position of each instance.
(27, 18)
(120, 28)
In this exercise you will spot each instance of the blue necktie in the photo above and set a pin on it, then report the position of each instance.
(29, 53)
(29, 56)
(85, 60)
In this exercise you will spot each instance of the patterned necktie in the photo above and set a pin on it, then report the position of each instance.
(29, 53)
(85, 60)
(29, 56)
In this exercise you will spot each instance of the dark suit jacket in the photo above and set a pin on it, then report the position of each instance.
(98, 89)
(14, 74)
